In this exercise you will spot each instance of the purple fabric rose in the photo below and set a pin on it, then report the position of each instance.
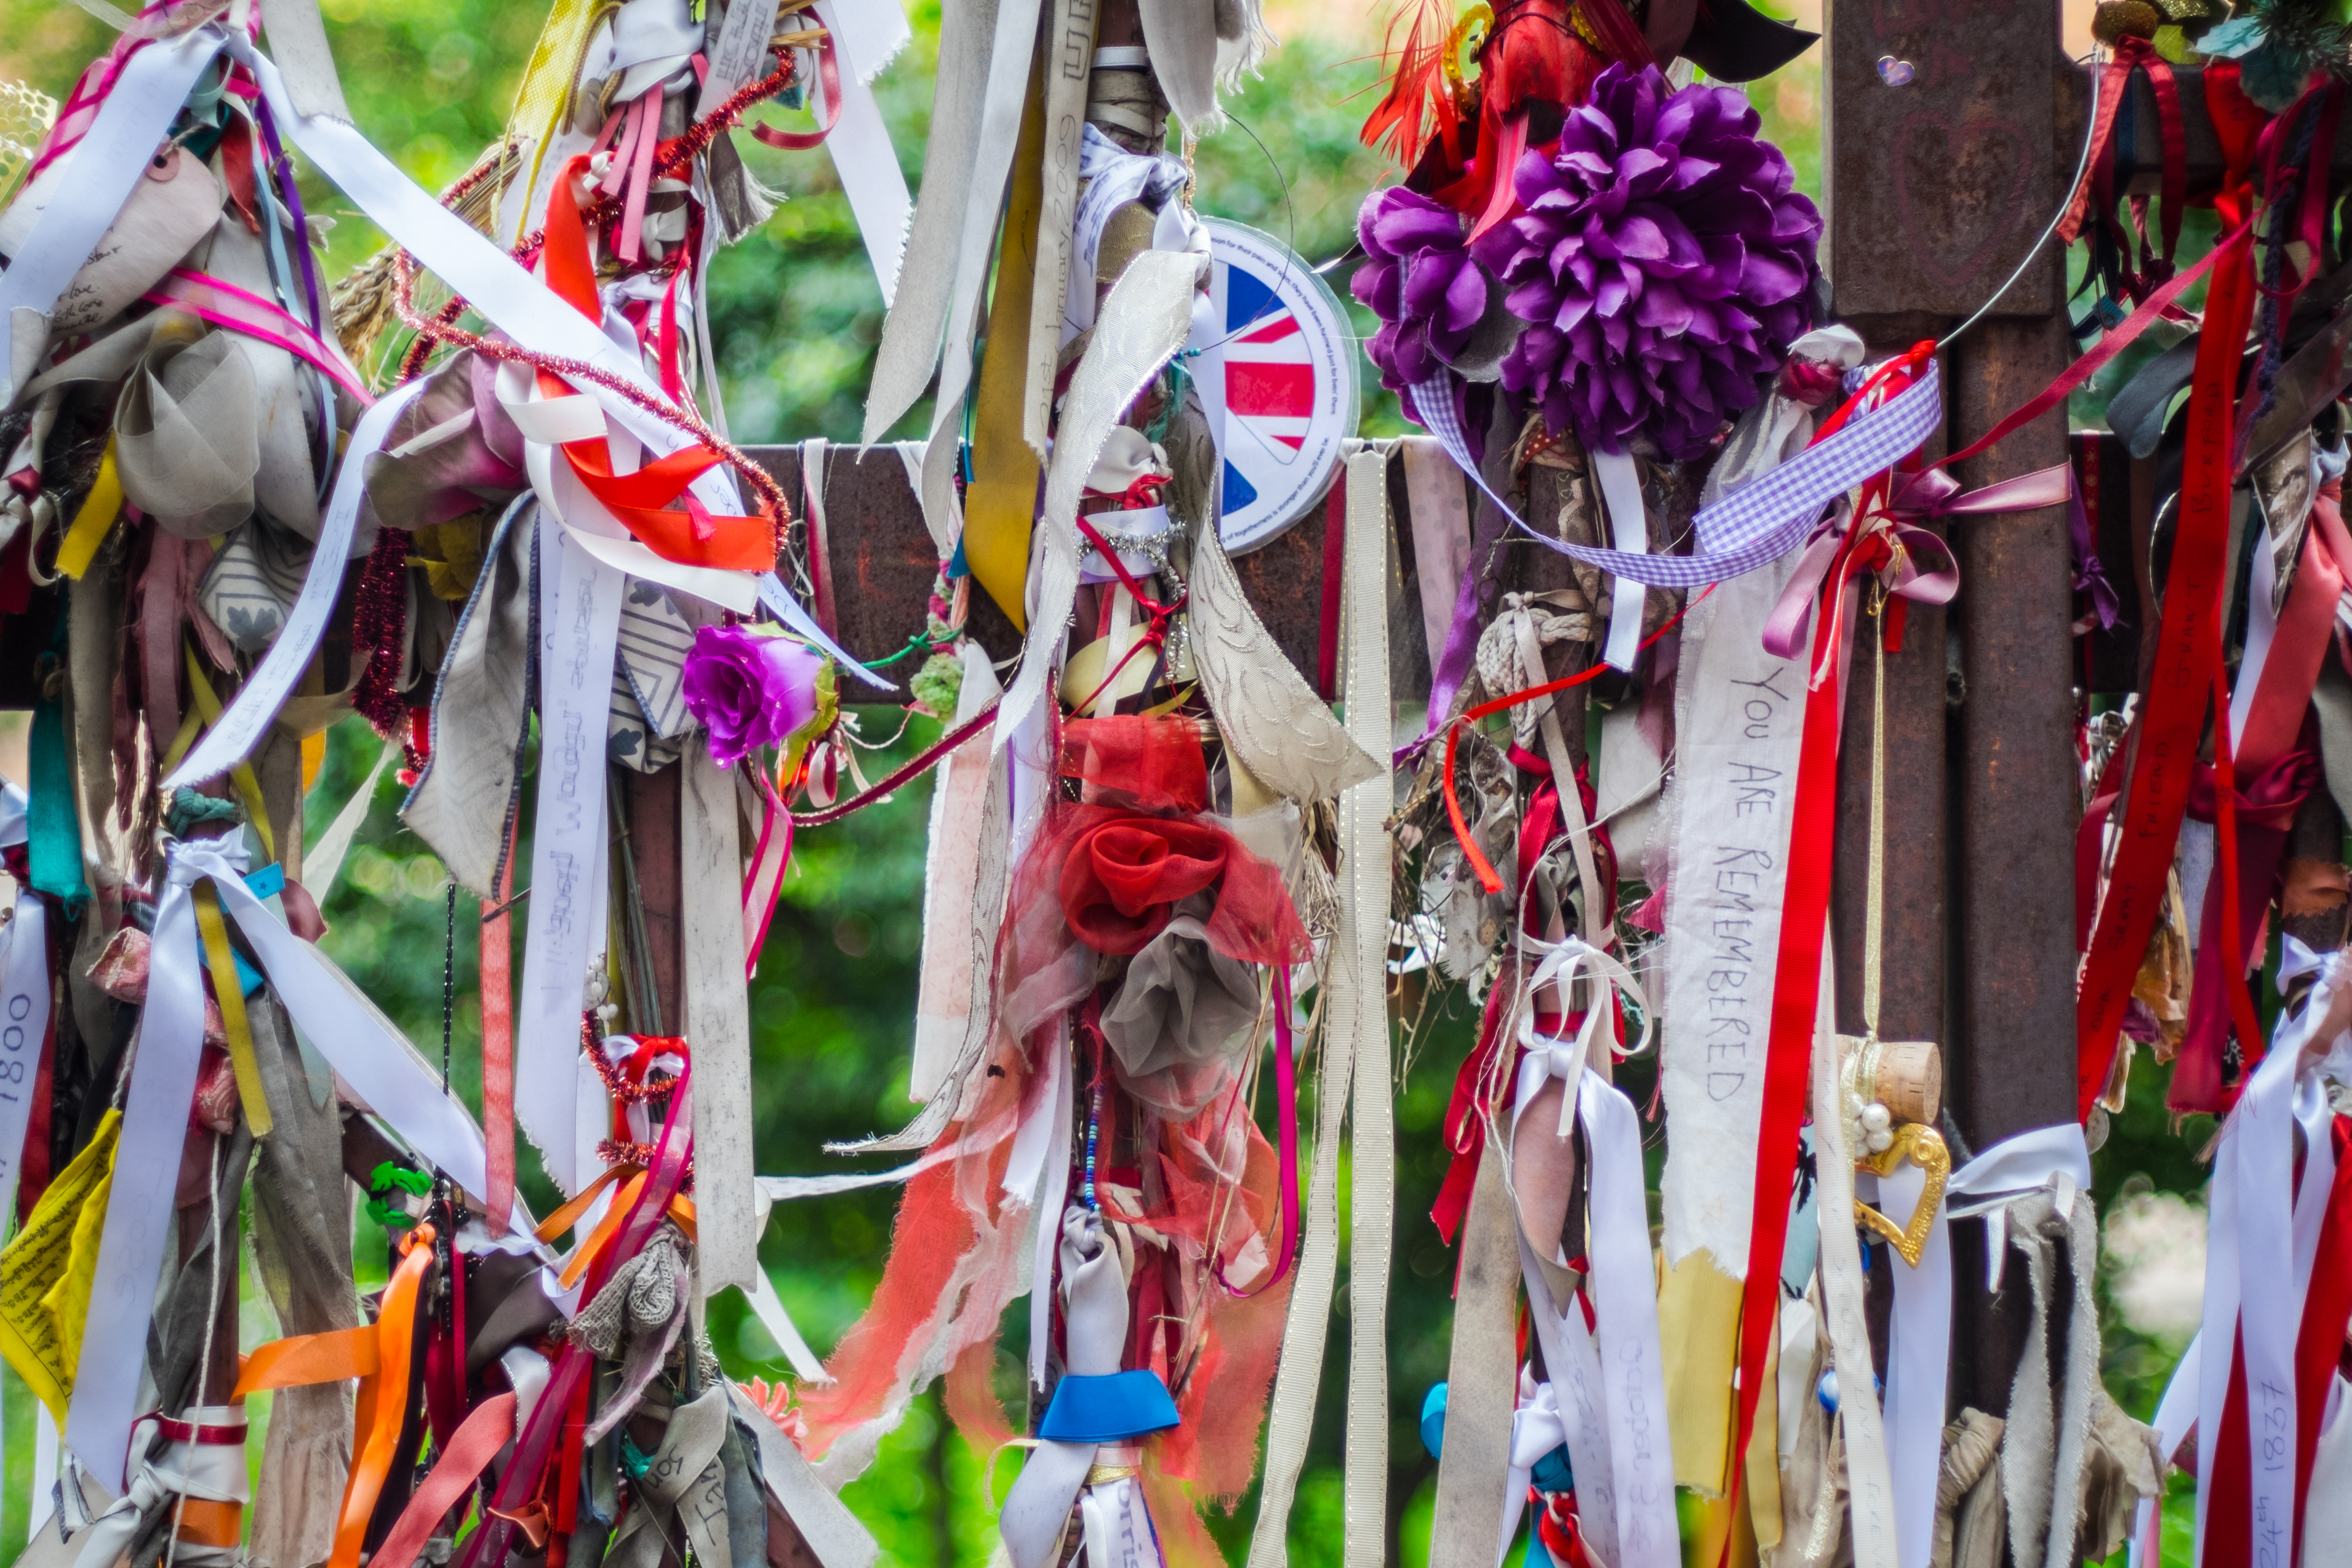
(1419, 281)
(1663, 263)
(748, 690)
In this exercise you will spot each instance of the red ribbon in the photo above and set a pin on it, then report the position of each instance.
(828, 70)
(640, 499)
(1797, 971)
(2173, 709)
(2327, 1314)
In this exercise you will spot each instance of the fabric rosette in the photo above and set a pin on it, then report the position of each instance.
(749, 690)
(1663, 260)
(1138, 889)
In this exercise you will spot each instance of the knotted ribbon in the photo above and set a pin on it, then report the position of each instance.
(1911, 498)
(199, 1473)
(1095, 1307)
(1611, 1397)
(383, 1070)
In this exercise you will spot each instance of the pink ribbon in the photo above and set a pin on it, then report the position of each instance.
(1916, 495)
(226, 305)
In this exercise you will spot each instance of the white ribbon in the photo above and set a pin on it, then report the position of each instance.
(2262, 1231)
(382, 1071)
(1536, 1430)
(1614, 1410)
(1629, 531)
(99, 177)
(212, 1472)
(24, 1008)
(1919, 1339)
(1917, 1355)
(580, 622)
(859, 143)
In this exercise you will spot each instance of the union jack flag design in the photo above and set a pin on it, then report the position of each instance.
(1286, 359)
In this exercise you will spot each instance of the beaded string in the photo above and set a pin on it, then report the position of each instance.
(448, 983)
(1094, 1133)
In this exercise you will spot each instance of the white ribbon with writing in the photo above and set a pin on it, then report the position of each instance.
(24, 1008)
(376, 1063)
(580, 623)
(1739, 727)
(2262, 1231)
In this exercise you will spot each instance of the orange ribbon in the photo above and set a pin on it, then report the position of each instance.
(693, 537)
(378, 1354)
(681, 1209)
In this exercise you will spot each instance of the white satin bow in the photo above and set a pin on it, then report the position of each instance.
(1552, 1055)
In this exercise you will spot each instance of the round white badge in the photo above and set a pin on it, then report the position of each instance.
(1278, 362)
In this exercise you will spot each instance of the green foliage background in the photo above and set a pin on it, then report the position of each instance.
(796, 313)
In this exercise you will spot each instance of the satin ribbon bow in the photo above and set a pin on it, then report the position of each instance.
(1552, 1055)
(1536, 1430)
(1891, 535)
(1932, 492)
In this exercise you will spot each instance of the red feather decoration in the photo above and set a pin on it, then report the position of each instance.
(1420, 103)
(1532, 59)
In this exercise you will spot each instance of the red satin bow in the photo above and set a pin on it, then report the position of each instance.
(640, 501)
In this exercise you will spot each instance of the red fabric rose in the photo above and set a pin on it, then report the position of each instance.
(1125, 875)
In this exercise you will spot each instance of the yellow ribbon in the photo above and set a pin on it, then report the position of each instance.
(228, 989)
(547, 84)
(47, 1271)
(90, 524)
(248, 788)
(1001, 503)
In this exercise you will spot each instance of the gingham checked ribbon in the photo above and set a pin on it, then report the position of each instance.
(1761, 520)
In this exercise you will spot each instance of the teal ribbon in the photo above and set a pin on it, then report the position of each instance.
(53, 827)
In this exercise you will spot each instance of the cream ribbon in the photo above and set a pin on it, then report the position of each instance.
(380, 1070)
(1356, 1065)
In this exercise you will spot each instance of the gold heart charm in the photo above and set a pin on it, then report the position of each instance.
(1924, 1146)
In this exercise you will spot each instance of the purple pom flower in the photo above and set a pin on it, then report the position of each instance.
(1663, 263)
(749, 690)
(1419, 281)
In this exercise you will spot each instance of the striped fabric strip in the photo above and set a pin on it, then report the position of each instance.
(1756, 524)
